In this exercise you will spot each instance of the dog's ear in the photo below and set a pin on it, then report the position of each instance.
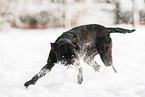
(75, 46)
(52, 45)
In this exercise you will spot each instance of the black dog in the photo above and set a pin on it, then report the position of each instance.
(87, 41)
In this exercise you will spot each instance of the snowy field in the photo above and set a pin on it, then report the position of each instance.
(24, 52)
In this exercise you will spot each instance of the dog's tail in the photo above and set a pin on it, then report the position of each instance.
(119, 30)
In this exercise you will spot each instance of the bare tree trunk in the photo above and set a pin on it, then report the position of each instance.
(117, 11)
(135, 14)
(67, 16)
(5, 15)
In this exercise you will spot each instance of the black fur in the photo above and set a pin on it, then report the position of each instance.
(85, 40)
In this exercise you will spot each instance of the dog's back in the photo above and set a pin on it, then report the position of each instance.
(84, 35)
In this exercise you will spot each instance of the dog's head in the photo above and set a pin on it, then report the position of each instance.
(65, 52)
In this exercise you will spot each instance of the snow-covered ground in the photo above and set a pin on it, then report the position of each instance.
(24, 52)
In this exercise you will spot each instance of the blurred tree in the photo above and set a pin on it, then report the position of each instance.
(117, 11)
(5, 14)
(135, 14)
(67, 13)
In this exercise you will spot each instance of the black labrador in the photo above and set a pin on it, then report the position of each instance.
(83, 41)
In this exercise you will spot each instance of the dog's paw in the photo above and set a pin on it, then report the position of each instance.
(80, 79)
(97, 67)
(80, 76)
(28, 83)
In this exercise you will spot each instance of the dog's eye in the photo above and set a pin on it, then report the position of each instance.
(72, 56)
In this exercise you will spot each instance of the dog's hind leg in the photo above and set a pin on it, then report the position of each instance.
(89, 58)
(95, 65)
(91, 62)
(104, 46)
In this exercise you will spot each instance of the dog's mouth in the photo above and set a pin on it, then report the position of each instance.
(63, 61)
(66, 62)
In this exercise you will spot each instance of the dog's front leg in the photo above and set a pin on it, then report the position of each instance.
(42, 73)
(80, 72)
(47, 68)
(80, 75)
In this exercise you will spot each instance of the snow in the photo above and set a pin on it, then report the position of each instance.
(24, 52)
